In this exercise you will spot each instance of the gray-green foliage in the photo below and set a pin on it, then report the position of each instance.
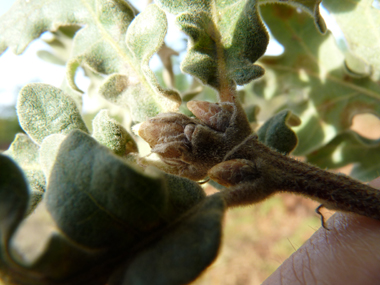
(108, 212)
(118, 223)
(104, 45)
(226, 38)
(311, 79)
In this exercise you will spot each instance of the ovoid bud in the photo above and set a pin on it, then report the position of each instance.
(194, 145)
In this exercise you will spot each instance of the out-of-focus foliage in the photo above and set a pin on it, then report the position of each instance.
(120, 223)
(355, 17)
(310, 78)
(105, 45)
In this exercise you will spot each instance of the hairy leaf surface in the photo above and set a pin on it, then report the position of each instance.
(44, 110)
(26, 153)
(101, 45)
(311, 77)
(276, 132)
(111, 134)
(226, 38)
(187, 250)
(117, 202)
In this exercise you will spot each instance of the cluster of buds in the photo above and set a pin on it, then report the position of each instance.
(194, 145)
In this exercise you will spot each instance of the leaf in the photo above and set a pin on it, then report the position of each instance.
(309, 6)
(111, 134)
(183, 194)
(57, 259)
(350, 147)
(277, 134)
(117, 202)
(26, 154)
(44, 110)
(14, 198)
(311, 78)
(226, 38)
(187, 250)
(142, 94)
(48, 153)
(360, 23)
(107, 22)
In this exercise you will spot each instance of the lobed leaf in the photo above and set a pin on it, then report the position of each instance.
(44, 110)
(107, 22)
(277, 134)
(311, 78)
(350, 147)
(140, 90)
(117, 202)
(226, 38)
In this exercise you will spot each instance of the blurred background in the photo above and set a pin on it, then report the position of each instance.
(257, 239)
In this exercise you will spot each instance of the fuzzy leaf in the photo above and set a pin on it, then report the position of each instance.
(26, 153)
(44, 110)
(140, 90)
(14, 198)
(111, 134)
(360, 24)
(118, 202)
(107, 22)
(226, 38)
(48, 153)
(350, 147)
(311, 77)
(56, 261)
(187, 250)
(276, 132)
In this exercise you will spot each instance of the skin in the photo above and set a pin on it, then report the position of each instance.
(347, 254)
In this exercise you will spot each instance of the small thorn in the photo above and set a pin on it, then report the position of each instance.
(323, 221)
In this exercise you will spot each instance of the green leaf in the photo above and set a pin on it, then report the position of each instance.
(102, 45)
(186, 250)
(350, 147)
(57, 260)
(226, 38)
(277, 134)
(183, 194)
(142, 94)
(118, 203)
(26, 153)
(111, 134)
(14, 198)
(309, 6)
(48, 153)
(312, 80)
(360, 23)
(44, 110)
